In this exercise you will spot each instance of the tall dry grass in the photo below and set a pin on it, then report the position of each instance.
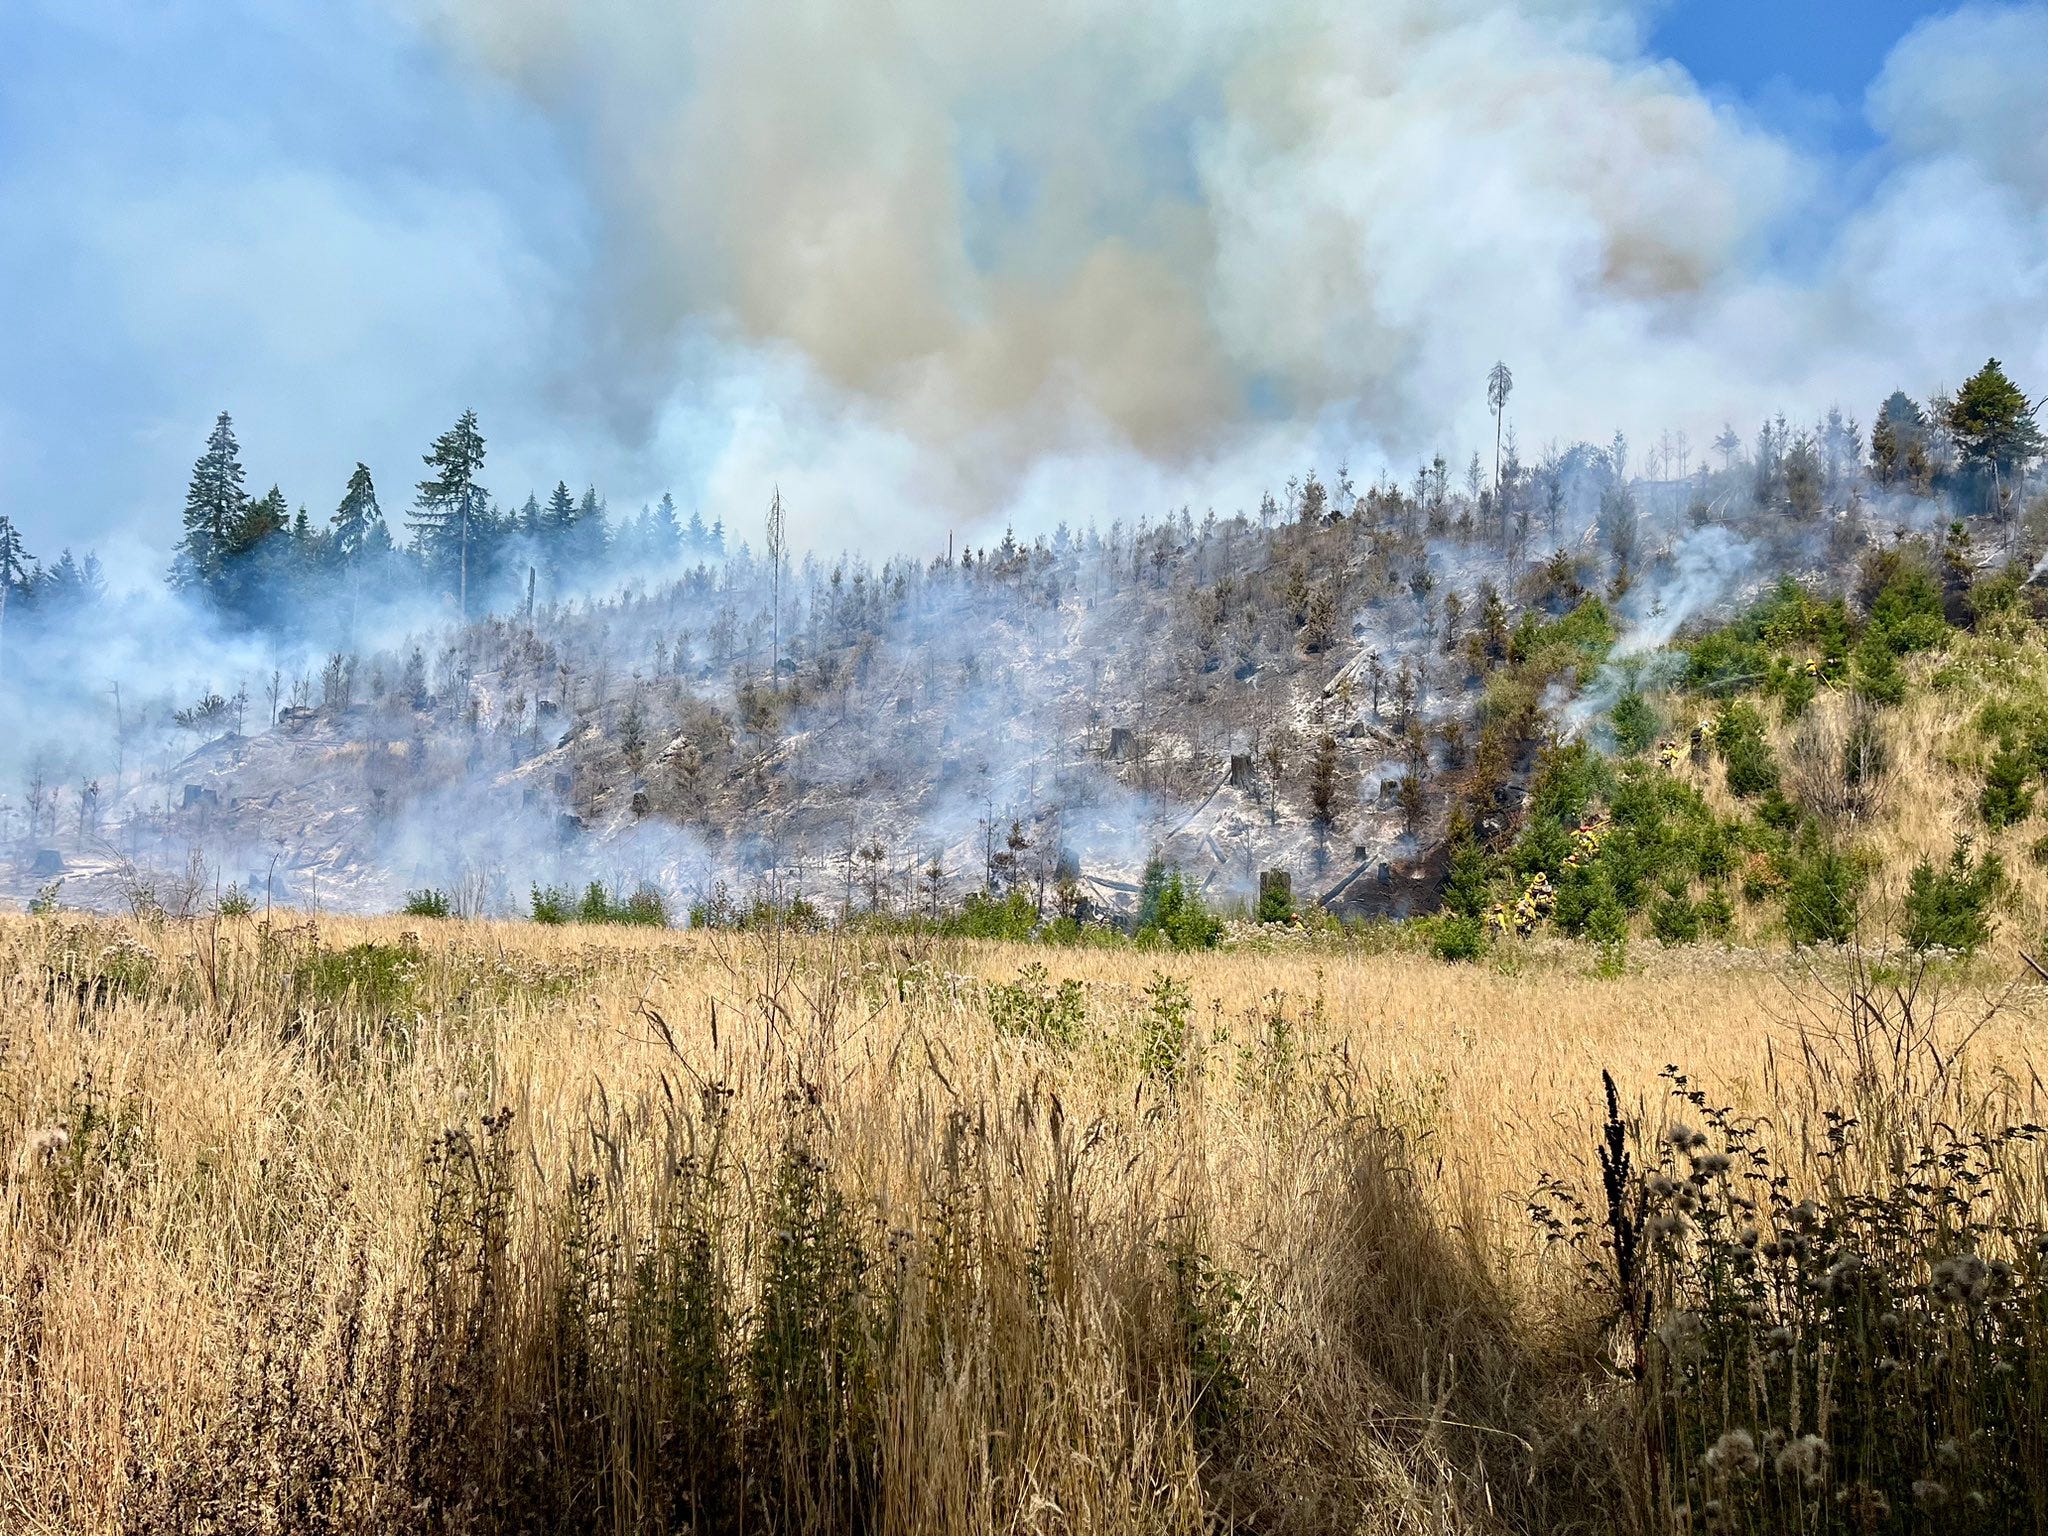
(459, 1227)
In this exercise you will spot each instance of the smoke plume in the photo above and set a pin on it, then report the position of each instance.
(934, 245)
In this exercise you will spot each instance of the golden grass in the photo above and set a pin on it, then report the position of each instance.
(1348, 1141)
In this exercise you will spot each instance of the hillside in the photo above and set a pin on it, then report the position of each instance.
(1355, 687)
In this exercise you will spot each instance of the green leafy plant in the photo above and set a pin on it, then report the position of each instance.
(426, 903)
(1949, 906)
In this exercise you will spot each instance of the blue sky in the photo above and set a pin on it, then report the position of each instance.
(346, 228)
(1803, 63)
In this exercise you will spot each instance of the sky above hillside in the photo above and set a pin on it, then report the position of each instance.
(932, 270)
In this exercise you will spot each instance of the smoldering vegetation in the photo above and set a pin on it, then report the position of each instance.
(1322, 685)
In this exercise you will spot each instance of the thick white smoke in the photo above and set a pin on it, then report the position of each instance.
(923, 247)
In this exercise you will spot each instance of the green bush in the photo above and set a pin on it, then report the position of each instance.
(1675, 920)
(1949, 906)
(1906, 612)
(1275, 905)
(1171, 911)
(1031, 1005)
(1163, 1030)
(376, 979)
(553, 905)
(986, 916)
(1739, 738)
(2008, 795)
(1636, 723)
(1823, 892)
(1879, 678)
(1458, 938)
(1467, 877)
(425, 903)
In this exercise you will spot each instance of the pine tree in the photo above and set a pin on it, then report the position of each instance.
(1324, 787)
(16, 570)
(257, 561)
(356, 517)
(1993, 426)
(557, 533)
(450, 500)
(696, 537)
(1898, 440)
(666, 539)
(70, 584)
(215, 504)
(592, 537)
(269, 515)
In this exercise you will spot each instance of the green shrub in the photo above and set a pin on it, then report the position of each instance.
(1879, 678)
(1949, 906)
(1467, 877)
(1823, 892)
(1739, 738)
(1276, 905)
(1675, 920)
(374, 979)
(426, 903)
(1906, 613)
(1456, 938)
(553, 905)
(1636, 723)
(2008, 794)
(985, 916)
(1169, 910)
(1031, 1005)
(1163, 1037)
(234, 902)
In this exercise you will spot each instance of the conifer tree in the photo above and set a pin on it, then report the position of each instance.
(450, 501)
(359, 530)
(215, 504)
(557, 531)
(592, 537)
(666, 540)
(356, 517)
(1993, 426)
(16, 569)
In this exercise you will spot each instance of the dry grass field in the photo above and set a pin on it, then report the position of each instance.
(385, 1226)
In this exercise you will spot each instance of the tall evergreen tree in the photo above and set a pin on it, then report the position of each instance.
(268, 515)
(215, 504)
(557, 533)
(665, 539)
(16, 567)
(16, 571)
(71, 584)
(696, 537)
(257, 567)
(451, 499)
(1993, 426)
(592, 536)
(357, 515)
(359, 537)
